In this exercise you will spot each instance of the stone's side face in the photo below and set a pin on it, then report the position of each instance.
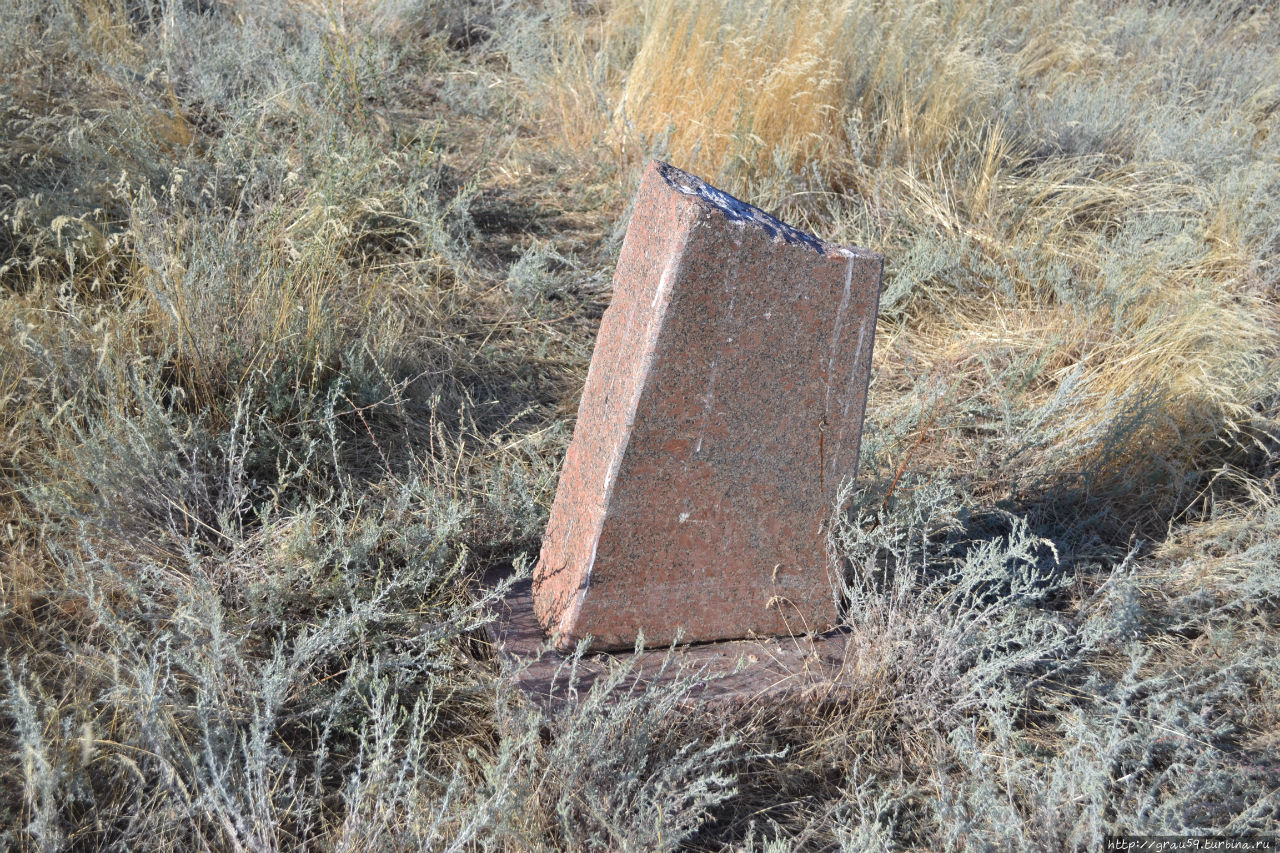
(722, 410)
(606, 413)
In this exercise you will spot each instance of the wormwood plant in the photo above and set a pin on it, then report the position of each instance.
(1054, 714)
(205, 716)
(627, 763)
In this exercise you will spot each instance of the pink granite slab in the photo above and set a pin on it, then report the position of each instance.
(721, 413)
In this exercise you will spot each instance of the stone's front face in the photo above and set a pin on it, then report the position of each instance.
(721, 413)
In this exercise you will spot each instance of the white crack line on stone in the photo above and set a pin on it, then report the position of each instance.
(835, 333)
(709, 397)
(731, 279)
(848, 391)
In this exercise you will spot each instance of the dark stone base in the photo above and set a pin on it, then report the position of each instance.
(729, 675)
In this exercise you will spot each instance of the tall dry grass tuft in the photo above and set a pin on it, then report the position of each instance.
(715, 83)
(739, 91)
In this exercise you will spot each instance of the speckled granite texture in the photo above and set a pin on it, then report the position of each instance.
(721, 412)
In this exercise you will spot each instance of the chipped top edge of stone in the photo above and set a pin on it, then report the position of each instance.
(740, 211)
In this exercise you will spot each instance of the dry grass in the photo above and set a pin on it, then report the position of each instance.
(749, 81)
(1084, 250)
(298, 299)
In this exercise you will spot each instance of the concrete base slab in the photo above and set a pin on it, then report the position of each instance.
(739, 675)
